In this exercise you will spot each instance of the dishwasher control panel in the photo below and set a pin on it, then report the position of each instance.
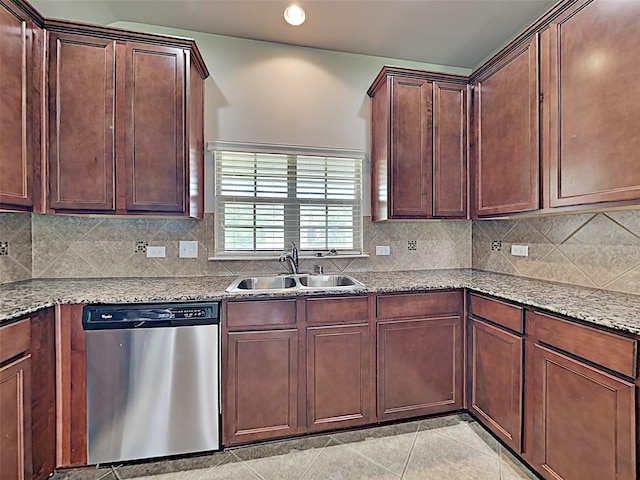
(102, 317)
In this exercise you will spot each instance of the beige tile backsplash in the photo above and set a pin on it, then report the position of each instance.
(594, 249)
(15, 247)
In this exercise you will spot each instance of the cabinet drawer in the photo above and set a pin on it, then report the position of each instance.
(612, 351)
(260, 313)
(419, 304)
(14, 339)
(342, 310)
(503, 314)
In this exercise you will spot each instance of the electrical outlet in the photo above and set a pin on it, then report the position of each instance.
(188, 249)
(496, 245)
(383, 250)
(412, 245)
(156, 252)
(520, 250)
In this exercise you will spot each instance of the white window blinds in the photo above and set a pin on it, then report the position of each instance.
(264, 201)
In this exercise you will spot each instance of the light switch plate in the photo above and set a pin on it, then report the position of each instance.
(383, 250)
(156, 252)
(520, 250)
(188, 249)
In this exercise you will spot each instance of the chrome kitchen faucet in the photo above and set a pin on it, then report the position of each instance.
(291, 257)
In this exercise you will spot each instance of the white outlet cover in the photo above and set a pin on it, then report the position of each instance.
(156, 252)
(188, 249)
(383, 250)
(520, 250)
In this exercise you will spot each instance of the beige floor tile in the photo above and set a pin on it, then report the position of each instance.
(228, 471)
(287, 466)
(339, 462)
(197, 474)
(437, 457)
(389, 445)
(478, 439)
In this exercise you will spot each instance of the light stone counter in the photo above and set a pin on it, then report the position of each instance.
(618, 311)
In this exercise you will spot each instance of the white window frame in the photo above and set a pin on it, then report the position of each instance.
(292, 222)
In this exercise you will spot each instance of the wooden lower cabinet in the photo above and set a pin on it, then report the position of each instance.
(260, 385)
(580, 420)
(338, 381)
(15, 420)
(420, 368)
(495, 370)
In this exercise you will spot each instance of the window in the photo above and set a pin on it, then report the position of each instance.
(264, 201)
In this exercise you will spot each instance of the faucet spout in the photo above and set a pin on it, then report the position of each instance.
(292, 258)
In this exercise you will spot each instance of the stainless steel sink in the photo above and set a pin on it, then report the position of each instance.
(300, 282)
(266, 283)
(324, 281)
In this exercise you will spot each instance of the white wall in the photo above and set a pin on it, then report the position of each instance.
(263, 92)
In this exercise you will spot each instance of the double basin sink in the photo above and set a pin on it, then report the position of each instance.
(298, 282)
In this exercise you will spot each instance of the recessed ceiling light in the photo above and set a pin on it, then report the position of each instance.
(295, 15)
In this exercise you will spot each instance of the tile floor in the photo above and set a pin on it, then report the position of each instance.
(447, 448)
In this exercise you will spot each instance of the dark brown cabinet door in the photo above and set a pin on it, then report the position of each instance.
(82, 93)
(419, 367)
(496, 380)
(154, 126)
(449, 150)
(590, 61)
(411, 147)
(506, 134)
(338, 376)
(580, 420)
(15, 420)
(261, 386)
(16, 155)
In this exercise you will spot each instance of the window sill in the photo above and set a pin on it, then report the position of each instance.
(275, 258)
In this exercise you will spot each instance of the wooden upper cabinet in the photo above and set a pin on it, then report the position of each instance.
(19, 129)
(590, 87)
(82, 93)
(449, 150)
(126, 120)
(506, 150)
(154, 128)
(411, 145)
(418, 145)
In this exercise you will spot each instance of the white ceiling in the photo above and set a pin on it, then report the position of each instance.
(459, 33)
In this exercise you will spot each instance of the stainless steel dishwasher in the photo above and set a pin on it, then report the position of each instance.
(152, 380)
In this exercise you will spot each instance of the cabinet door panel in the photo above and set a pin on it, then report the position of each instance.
(16, 162)
(261, 394)
(495, 364)
(15, 420)
(449, 150)
(411, 147)
(82, 123)
(338, 368)
(506, 116)
(581, 420)
(591, 55)
(419, 367)
(154, 128)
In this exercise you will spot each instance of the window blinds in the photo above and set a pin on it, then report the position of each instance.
(264, 201)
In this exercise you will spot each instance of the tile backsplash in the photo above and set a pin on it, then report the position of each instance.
(15, 247)
(89, 247)
(599, 250)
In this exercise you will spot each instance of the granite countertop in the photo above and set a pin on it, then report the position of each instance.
(618, 311)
